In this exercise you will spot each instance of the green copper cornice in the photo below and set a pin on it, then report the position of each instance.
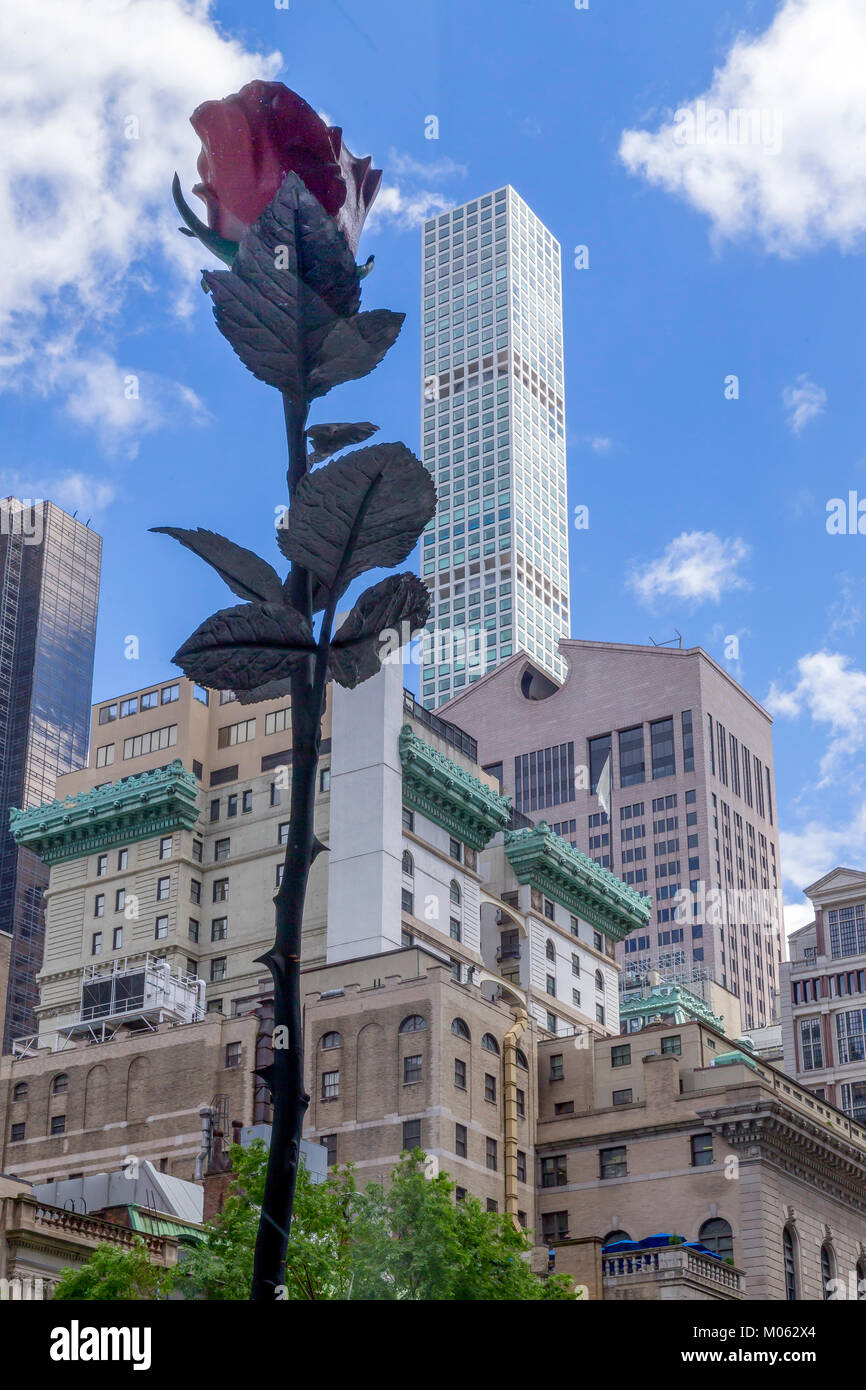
(670, 999)
(546, 862)
(439, 789)
(153, 803)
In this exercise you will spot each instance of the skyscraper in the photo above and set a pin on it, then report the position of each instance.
(687, 816)
(496, 554)
(49, 590)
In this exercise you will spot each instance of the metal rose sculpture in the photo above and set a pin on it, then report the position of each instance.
(286, 203)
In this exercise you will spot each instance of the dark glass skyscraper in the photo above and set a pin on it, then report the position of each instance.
(49, 592)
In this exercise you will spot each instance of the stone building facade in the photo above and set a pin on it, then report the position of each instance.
(824, 994)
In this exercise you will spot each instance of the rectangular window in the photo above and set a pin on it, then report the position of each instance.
(632, 768)
(620, 1056)
(221, 890)
(197, 851)
(491, 1154)
(622, 1097)
(455, 849)
(408, 819)
(278, 720)
(194, 890)
(851, 1036)
(99, 905)
(407, 902)
(150, 700)
(58, 1124)
(460, 1141)
(672, 1045)
(599, 752)
(490, 1087)
(551, 985)
(234, 1052)
(232, 804)
(120, 899)
(96, 943)
(330, 1085)
(192, 929)
(688, 742)
(108, 714)
(105, 755)
(221, 850)
(219, 968)
(544, 777)
(554, 1225)
(325, 780)
(219, 928)
(702, 1150)
(554, 1172)
(231, 734)
(557, 1071)
(160, 928)
(411, 1135)
(811, 1044)
(521, 1166)
(521, 1104)
(459, 1074)
(411, 1070)
(612, 1162)
(170, 693)
(662, 746)
(117, 939)
(329, 1143)
(163, 889)
(275, 794)
(247, 801)
(215, 809)
(102, 866)
(122, 859)
(152, 742)
(165, 846)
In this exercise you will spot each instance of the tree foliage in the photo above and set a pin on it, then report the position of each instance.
(114, 1274)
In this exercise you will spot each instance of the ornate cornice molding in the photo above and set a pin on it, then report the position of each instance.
(442, 791)
(796, 1145)
(138, 808)
(569, 877)
(671, 999)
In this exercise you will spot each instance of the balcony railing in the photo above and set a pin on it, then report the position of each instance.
(507, 953)
(672, 1262)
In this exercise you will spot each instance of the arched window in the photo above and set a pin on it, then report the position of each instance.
(60, 1084)
(550, 950)
(413, 1023)
(789, 1259)
(489, 1043)
(454, 891)
(19, 1091)
(521, 1059)
(331, 1040)
(613, 1236)
(461, 1029)
(599, 980)
(717, 1236)
(408, 864)
(828, 1271)
(861, 1279)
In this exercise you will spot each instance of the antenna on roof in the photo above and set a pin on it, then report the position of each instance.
(670, 641)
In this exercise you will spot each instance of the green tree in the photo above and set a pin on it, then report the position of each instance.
(414, 1241)
(114, 1274)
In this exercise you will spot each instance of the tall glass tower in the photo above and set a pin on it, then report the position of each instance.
(49, 590)
(495, 556)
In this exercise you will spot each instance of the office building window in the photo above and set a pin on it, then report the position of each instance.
(117, 939)
(662, 746)
(234, 1054)
(554, 1225)
(632, 769)
(702, 1150)
(491, 1154)
(219, 928)
(599, 752)
(459, 1074)
(554, 1171)
(460, 1147)
(489, 1087)
(99, 905)
(411, 1070)
(411, 1135)
(672, 1045)
(811, 1044)
(96, 943)
(160, 928)
(330, 1085)
(220, 890)
(622, 1097)
(163, 889)
(688, 742)
(221, 849)
(165, 846)
(612, 1162)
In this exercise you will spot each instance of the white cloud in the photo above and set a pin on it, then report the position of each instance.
(696, 566)
(798, 179)
(816, 848)
(832, 692)
(797, 915)
(81, 492)
(85, 210)
(803, 402)
(405, 210)
(404, 164)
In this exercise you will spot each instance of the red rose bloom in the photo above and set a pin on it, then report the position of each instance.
(253, 139)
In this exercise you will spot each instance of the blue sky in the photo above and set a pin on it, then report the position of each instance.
(707, 260)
